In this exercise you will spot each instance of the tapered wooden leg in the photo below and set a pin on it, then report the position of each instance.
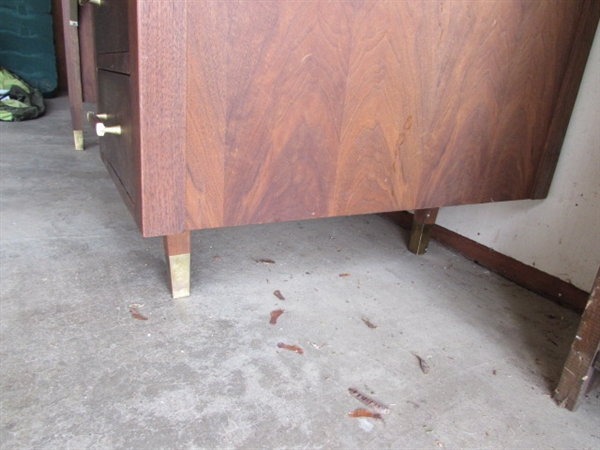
(70, 24)
(178, 255)
(423, 222)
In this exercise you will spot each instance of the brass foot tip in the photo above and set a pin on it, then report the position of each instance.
(78, 138)
(179, 271)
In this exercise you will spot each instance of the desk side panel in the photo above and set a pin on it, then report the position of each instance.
(318, 109)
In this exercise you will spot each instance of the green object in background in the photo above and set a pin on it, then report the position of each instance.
(27, 42)
(18, 100)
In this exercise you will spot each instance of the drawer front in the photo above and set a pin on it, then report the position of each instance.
(117, 151)
(110, 26)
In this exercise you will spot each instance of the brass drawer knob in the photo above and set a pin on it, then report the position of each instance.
(93, 118)
(101, 129)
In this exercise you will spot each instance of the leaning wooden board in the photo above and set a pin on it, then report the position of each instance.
(252, 112)
(581, 372)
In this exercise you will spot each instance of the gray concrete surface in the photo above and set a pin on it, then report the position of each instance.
(79, 372)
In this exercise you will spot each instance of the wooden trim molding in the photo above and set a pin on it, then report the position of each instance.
(529, 277)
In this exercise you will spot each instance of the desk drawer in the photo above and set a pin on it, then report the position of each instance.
(111, 26)
(117, 150)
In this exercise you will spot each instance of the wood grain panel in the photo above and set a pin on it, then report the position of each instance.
(281, 74)
(500, 70)
(159, 90)
(477, 80)
(377, 158)
(288, 115)
(317, 109)
(581, 45)
(206, 128)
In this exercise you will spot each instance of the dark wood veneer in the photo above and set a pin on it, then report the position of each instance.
(333, 109)
(582, 42)
(252, 112)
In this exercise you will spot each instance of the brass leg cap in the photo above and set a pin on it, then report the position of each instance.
(78, 138)
(419, 238)
(179, 272)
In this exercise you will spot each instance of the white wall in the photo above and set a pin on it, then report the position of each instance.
(561, 234)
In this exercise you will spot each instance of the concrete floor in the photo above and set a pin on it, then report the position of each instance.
(79, 372)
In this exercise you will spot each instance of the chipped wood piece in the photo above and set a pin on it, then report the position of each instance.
(423, 364)
(292, 348)
(369, 324)
(373, 404)
(265, 261)
(344, 275)
(136, 314)
(275, 315)
(279, 295)
(364, 413)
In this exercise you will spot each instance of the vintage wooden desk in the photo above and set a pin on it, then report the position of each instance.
(221, 113)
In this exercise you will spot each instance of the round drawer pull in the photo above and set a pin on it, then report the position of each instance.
(102, 129)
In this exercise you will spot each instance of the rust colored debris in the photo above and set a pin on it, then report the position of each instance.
(275, 315)
(136, 314)
(292, 348)
(365, 413)
(379, 407)
(344, 274)
(423, 364)
(369, 324)
(265, 261)
(279, 295)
